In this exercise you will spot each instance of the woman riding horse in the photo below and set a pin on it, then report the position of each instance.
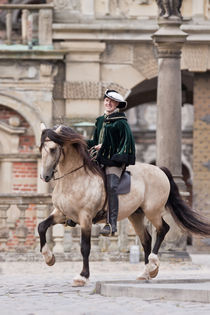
(114, 144)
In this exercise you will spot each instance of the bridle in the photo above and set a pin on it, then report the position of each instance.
(56, 164)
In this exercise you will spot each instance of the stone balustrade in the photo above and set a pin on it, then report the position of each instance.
(20, 215)
(36, 23)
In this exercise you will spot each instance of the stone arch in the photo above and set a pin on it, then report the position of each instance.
(145, 91)
(26, 110)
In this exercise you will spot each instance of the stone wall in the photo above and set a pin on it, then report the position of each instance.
(201, 155)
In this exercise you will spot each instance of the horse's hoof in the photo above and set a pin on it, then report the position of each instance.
(51, 262)
(79, 281)
(142, 278)
(154, 273)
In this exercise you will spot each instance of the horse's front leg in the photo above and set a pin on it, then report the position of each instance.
(55, 217)
(82, 279)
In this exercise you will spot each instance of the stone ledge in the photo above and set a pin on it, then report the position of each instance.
(187, 290)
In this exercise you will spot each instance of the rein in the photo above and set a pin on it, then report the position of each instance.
(70, 172)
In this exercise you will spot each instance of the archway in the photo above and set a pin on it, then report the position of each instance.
(26, 110)
(18, 159)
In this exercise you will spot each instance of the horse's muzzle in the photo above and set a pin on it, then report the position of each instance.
(46, 178)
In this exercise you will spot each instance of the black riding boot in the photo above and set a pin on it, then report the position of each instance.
(112, 184)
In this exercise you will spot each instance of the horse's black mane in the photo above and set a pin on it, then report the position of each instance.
(68, 135)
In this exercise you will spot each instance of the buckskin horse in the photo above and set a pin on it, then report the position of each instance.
(80, 196)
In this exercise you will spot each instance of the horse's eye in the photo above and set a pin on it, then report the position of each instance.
(52, 150)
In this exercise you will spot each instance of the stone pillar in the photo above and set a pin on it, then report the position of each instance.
(198, 9)
(22, 230)
(58, 237)
(24, 26)
(82, 87)
(9, 27)
(169, 40)
(45, 27)
(4, 230)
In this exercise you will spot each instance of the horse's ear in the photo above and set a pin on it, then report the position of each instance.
(58, 130)
(43, 127)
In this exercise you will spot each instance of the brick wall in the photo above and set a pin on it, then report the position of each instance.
(201, 156)
(24, 179)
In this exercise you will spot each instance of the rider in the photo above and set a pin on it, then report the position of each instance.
(114, 144)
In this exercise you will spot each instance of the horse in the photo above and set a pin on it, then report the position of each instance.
(79, 195)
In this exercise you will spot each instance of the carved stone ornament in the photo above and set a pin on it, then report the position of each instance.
(90, 89)
(169, 8)
(70, 4)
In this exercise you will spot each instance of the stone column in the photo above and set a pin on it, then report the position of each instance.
(4, 230)
(24, 26)
(45, 27)
(198, 9)
(82, 87)
(22, 230)
(9, 27)
(169, 40)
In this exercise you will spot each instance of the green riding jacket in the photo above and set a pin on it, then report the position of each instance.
(114, 133)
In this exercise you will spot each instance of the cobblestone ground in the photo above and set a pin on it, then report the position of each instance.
(34, 288)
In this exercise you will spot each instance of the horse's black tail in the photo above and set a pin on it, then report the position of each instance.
(183, 215)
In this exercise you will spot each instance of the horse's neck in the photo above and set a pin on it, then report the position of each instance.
(71, 160)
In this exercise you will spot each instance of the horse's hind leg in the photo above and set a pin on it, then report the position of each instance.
(54, 218)
(161, 228)
(137, 220)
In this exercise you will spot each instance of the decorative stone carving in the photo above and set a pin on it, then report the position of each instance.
(169, 8)
(195, 58)
(89, 89)
(82, 90)
(144, 61)
(17, 71)
(116, 7)
(70, 4)
(14, 121)
(47, 72)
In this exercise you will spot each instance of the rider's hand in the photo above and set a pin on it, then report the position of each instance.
(97, 147)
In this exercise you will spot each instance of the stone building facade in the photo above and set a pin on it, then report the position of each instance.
(56, 60)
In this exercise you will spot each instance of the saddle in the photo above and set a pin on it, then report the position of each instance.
(125, 183)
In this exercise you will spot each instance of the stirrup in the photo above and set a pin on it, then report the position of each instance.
(105, 231)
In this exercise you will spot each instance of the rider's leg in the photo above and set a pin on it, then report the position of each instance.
(113, 175)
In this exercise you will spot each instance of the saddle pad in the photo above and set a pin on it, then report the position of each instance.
(125, 183)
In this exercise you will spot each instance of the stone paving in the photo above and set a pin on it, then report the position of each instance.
(34, 288)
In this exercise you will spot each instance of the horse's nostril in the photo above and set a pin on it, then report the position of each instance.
(47, 178)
